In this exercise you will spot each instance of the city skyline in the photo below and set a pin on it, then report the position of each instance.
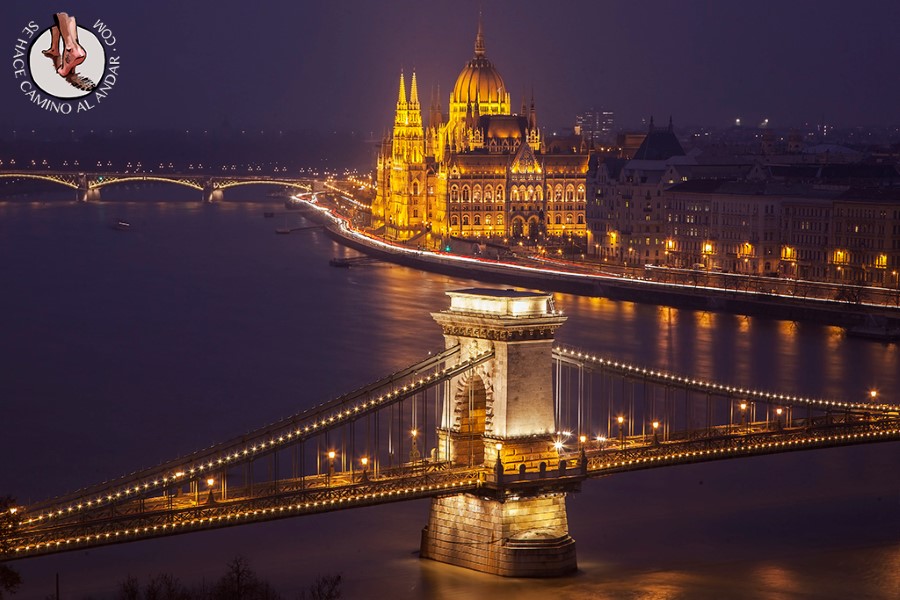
(335, 65)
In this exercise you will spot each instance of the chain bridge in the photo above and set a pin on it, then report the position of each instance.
(212, 187)
(496, 429)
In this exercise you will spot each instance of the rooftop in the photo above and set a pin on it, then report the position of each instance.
(501, 303)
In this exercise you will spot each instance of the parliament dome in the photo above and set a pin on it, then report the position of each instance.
(479, 82)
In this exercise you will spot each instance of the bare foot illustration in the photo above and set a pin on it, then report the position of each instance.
(74, 54)
(53, 50)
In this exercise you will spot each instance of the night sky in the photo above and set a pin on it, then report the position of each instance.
(335, 64)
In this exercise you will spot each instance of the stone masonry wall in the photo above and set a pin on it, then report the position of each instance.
(518, 538)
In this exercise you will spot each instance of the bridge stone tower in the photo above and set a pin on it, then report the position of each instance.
(501, 415)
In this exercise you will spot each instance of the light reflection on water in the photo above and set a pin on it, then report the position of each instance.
(123, 349)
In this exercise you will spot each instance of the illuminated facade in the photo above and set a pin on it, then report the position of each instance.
(481, 170)
(835, 233)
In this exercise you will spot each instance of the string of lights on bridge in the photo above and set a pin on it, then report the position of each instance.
(760, 448)
(188, 473)
(249, 515)
(130, 533)
(709, 386)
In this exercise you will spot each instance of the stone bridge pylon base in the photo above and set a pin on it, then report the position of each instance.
(525, 537)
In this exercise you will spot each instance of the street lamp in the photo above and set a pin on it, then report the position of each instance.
(778, 412)
(621, 420)
(414, 451)
(743, 414)
(331, 455)
(896, 286)
(210, 482)
(655, 433)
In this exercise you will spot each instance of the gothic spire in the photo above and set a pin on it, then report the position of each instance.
(532, 115)
(479, 38)
(435, 119)
(414, 91)
(401, 97)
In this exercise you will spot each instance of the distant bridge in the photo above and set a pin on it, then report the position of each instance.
(212, 187)
(496, 429)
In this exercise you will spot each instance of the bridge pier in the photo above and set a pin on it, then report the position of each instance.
(212, 194)
(85, 192)
(501, 416)
(526, 537)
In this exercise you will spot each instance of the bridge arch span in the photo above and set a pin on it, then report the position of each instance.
(230, 184)
(69, 182)
(107, 181)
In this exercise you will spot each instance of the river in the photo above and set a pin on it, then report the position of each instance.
(124, 348)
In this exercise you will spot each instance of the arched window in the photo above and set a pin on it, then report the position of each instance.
(580, 196)
(499, 220)
(570, 193)
(415, 188)
(568, 219)
(454, 194)
(558, 220)
(488, 195)
(478, 219)
(499, 194)
(529, 193)
(540, 194)
(476, 194)
(465, 193)
(515, 194)
(581, 219)
(454, 221)
(465, 219)
(487, 219)
(557, 193)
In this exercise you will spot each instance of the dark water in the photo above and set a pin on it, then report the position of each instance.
(121, 349)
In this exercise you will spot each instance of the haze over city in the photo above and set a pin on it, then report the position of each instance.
(336, 64)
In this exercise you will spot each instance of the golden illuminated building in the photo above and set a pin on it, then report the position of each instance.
(480, 170)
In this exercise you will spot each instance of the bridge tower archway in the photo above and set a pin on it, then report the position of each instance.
(471, 407)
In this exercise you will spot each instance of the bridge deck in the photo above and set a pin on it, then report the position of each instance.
(172, 514)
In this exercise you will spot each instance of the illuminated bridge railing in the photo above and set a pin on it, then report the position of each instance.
(628, 417)
(375, 445)
(175, 515)
(98, 180)
(375, 430)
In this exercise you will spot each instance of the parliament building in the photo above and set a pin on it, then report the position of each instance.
(480, 170)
